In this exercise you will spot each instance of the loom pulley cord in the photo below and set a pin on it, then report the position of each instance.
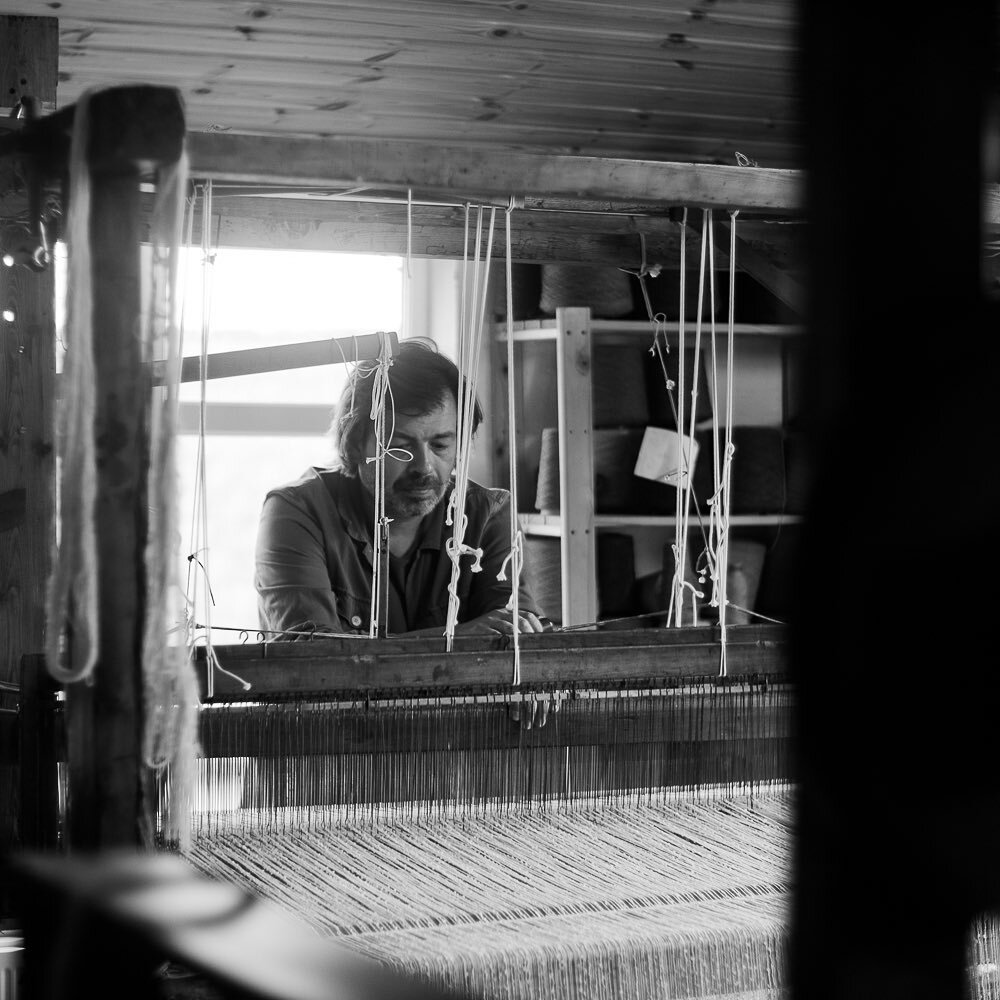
(470, 342)
(516, 556)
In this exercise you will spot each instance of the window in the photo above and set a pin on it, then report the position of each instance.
(264, 430)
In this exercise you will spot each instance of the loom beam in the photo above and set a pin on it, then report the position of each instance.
(552, 659)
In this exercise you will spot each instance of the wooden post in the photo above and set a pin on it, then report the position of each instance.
(131, 129)
(578, 549)
(29, 51)
(897, 832)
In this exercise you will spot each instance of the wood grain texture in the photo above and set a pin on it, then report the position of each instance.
(547, 659)
(672, 81)
(27, 369)
(468, 170)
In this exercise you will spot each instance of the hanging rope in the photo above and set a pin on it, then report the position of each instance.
(725, 492)
(198, 591)
(716, 554)
(516, 556)
(381, 403)
(72, 625)
(470, 342)
(683, 494)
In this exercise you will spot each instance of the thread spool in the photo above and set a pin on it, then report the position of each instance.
(526, 290)
(618, 376)
(744, 566)
(615, 574)
(606, 290)
(757, 484)
(615, 453)
(542, 572)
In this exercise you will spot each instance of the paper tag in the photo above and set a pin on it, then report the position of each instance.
(661, 458)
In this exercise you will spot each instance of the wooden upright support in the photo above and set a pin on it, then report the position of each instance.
(29, 48)
(132, 131)
(576, 467)
(898, 829)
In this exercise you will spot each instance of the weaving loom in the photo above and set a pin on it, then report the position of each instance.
(634, 845)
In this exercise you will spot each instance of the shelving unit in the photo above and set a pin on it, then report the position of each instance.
(573, 333)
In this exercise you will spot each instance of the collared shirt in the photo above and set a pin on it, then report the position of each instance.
(314, 559)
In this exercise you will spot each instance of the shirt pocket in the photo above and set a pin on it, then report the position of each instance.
(354, 612)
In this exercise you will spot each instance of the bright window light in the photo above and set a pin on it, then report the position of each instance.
(261, 298)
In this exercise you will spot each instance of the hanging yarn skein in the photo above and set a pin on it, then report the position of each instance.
(71, 595)
(170, 685)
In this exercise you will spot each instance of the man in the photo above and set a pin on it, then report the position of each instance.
(314, 545)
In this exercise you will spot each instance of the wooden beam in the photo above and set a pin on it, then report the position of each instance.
(29, 48)
(564, 659)
(538, 235)
(281, 357)
(782, 285)
(473, 172)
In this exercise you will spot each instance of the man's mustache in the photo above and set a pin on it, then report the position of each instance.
(418, 482)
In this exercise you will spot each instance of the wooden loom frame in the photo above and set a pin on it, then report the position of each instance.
(231, 158)
(849, 137)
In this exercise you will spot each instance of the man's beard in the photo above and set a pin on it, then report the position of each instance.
(414, 496)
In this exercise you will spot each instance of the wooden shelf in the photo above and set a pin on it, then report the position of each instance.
(546, 329)
(551, 524)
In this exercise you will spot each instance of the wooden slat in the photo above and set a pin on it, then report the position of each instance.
(281, 357)
(401, 166)
(578, 541)
(28, 53)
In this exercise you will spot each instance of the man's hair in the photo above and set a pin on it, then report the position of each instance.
(420, 378)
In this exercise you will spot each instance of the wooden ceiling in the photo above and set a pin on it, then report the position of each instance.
(686, 81)
(568, 106)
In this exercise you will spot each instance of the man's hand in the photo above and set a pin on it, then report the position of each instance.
(500, 622)
(534, 711)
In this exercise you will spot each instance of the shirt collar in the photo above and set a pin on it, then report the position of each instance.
(357, 515)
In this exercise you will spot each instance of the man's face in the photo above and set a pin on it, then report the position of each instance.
(414, 486)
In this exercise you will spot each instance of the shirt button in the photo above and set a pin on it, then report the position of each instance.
(356, 620)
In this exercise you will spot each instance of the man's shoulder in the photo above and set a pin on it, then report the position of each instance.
(490, 500)
(316, 483)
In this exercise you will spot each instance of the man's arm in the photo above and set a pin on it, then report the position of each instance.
(291, 575)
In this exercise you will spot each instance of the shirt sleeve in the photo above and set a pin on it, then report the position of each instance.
(487, 592)
(291, 576)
